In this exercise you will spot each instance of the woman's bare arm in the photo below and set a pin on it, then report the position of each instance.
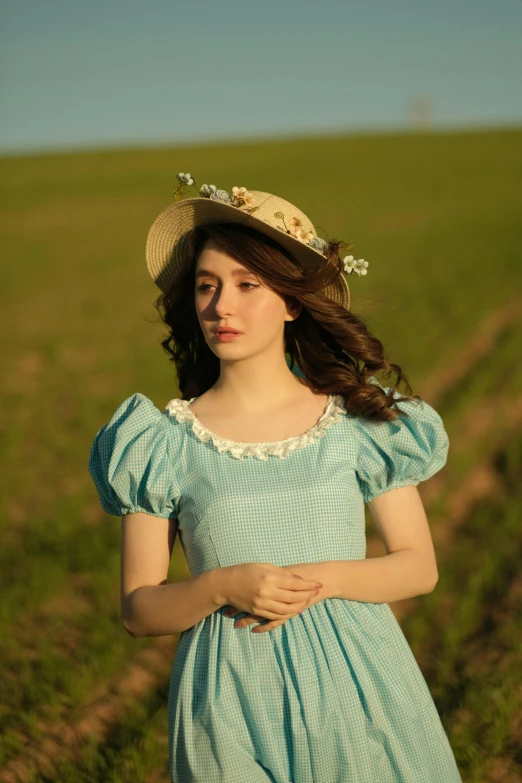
(150, 606)
(410, 567)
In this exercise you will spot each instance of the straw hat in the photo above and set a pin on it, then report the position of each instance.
(272, 215)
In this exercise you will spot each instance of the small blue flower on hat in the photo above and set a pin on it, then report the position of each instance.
(207, 190)
(184, 180)
(318, 244)
(221, 195)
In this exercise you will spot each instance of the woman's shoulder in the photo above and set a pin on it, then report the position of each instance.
(133, 459)
(416, 417)
(406, 450)
(139, 412)
(140, 401)
(139, 428)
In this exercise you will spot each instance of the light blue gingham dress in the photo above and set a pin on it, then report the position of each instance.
(334, 695)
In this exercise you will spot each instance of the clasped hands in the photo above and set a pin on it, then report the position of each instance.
(313, 591)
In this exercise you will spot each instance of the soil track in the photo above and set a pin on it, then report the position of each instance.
(477, 348)
(62, 739)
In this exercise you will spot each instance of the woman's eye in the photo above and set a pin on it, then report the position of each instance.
(205, 286)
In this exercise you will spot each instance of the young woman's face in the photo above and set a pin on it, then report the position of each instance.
(227, 294)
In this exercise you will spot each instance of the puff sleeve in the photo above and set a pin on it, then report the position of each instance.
(403, 452)
(130, 461)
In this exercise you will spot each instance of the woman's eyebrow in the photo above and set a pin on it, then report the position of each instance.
(236, 272)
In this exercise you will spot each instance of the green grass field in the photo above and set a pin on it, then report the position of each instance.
(438, 218)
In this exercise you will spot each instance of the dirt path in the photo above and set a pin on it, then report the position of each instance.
(476, 349)
(63, 738)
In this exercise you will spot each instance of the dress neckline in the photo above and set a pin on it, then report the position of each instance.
(334, 409)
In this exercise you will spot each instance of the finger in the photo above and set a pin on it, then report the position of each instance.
(301, 584)
(248, 620)
(275, 623)
(267, 626)
(281, 611)
(297, 588)
(285, 604)
(295, 597)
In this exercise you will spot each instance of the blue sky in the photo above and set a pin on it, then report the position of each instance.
(107, 73)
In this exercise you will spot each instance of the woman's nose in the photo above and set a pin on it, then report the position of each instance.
(223, 303)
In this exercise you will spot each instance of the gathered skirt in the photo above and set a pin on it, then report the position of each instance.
(333, 695)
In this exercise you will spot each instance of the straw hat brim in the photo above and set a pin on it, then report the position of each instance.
(165, 253)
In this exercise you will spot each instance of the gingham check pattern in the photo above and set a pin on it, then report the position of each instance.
(334, 695)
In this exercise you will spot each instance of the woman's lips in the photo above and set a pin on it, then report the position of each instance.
(227, 337)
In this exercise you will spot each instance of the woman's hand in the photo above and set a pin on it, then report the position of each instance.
(264, 590)
(231, 611)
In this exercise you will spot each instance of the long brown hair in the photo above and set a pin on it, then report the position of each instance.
(330, 345)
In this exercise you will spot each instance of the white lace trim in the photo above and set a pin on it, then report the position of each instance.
(280, 448)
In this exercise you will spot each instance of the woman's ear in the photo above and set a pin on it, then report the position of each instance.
(293, 308)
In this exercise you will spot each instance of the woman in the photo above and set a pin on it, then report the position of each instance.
(290, 665)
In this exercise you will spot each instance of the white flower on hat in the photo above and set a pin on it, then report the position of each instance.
(187, 179)
(351, 265)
